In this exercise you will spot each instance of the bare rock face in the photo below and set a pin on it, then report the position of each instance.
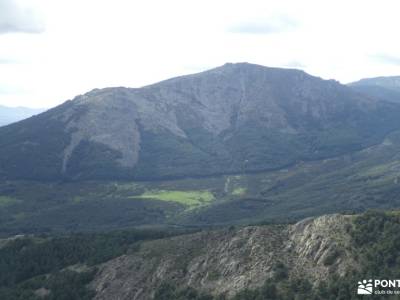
(320, 243)
(108, 119)
(227, 261)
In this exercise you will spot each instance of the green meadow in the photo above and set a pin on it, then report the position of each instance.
(187, 198)
(5, 201)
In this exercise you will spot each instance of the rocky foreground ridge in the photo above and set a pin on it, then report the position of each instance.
(224, 262)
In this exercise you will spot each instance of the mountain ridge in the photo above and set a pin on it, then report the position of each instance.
(229, 261)
(230, 119)
(386, 88)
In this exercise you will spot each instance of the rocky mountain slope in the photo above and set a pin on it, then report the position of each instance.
(224, 262)
(234, 118)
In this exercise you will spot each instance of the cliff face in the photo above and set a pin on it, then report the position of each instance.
(227, 261)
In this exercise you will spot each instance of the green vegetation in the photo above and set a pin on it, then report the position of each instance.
(31, 149)
(4, 200)
(187, 198)
(366, 179)
(60, 267)
(168, 291)
(239, 191)
(29, 264)
(349, 183)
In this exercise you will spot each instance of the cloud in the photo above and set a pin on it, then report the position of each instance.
(8, 61)
(10, 90)
(274, 24)
(387, 59)
(295, 64)
(15, 17)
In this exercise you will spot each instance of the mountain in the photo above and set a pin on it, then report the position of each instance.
(10, 115)
(239, 144)
(323, 257)
(232, 119)
(384, 88)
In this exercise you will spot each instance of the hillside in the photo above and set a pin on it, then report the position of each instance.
(231, 119)
(316, 258)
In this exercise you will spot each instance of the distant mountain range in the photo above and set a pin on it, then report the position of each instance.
(232, 119)
(384, 88)
(10, 115)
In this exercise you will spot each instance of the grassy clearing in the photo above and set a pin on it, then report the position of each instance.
(77, 199)
(379, 170)
(187, 198)
(240, 191)
(5, 201)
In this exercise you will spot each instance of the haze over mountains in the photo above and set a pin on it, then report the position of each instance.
(232, 119)
(10, 115)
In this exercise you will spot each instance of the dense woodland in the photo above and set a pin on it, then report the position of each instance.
(33, 262)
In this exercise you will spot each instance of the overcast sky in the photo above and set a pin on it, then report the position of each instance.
(52, 50)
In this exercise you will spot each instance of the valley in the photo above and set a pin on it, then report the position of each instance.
(348, 183)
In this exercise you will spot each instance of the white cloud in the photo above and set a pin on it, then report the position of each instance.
(387, 59)
(19, 16)
(268, 25)
(99, 43)
(295, 64)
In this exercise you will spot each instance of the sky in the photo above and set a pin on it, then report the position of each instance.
(53, 50)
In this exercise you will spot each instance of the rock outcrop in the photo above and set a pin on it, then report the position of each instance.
(227, 261)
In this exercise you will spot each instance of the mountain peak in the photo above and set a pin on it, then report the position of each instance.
(255, 67)
(200, 124)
